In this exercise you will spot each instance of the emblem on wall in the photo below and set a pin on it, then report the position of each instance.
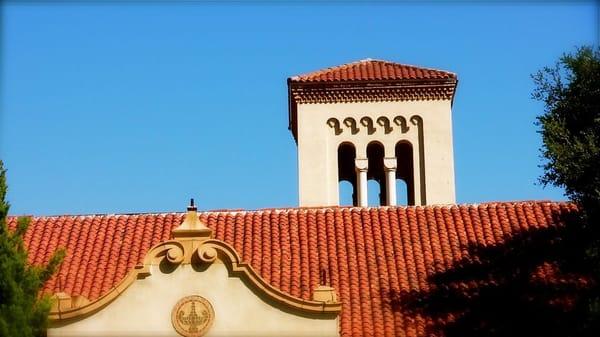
(192, 316)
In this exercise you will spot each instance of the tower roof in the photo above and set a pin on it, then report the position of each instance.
(372, 70)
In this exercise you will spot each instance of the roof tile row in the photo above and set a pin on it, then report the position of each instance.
(369, 69)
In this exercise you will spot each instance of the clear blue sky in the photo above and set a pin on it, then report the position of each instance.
(113, 108)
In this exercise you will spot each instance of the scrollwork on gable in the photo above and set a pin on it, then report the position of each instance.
(171, 252)
(207, 253)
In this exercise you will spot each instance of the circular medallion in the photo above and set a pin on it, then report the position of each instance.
(192, 316)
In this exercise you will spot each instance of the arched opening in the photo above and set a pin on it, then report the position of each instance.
(346, 193)
(375, 154)
(401, 192)
(374, 189)
(346, 174)
(404, 172)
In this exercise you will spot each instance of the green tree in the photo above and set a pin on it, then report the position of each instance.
(570, 129)
(23, 311)
(495, 290)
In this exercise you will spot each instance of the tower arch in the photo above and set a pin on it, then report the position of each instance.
(405, 169)
(346, 156)
(375, 172)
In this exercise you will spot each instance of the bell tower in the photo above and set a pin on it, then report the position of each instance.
(373, 120)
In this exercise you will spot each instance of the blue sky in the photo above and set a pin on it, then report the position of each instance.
(112, 108)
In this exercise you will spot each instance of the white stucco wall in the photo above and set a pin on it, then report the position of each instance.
(317, 146)
(144, 309)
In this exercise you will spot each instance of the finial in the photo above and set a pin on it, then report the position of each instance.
(323, 292)
(192, 226)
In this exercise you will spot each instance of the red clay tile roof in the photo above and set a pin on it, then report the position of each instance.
(373, 70)
(368, 252)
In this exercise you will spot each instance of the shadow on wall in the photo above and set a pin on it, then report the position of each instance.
(534, 284)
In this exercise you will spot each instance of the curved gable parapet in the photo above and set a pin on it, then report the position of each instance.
(199, 253)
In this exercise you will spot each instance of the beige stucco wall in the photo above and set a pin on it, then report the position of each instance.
(144, 309)
(317, 146)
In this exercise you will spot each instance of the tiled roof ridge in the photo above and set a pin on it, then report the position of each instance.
(411, 65)
(308, 75)
(339, 66)
(292, 209)
(93, 215)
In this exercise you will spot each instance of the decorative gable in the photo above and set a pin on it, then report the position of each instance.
(195, 285)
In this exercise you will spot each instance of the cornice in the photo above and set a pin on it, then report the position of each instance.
(311, 94)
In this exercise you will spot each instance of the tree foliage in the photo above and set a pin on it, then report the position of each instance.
(570, 125)
(540, 282)
(570, 129)
(23, 311)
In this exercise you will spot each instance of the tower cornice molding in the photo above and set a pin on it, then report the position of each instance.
(372, 92)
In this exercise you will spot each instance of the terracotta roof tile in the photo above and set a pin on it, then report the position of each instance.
(373, 70)
(368, 253)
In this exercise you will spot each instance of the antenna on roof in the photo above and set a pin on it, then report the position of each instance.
(323, 277)
(191, 207)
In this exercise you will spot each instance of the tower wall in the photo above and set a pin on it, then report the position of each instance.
(427, 125)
